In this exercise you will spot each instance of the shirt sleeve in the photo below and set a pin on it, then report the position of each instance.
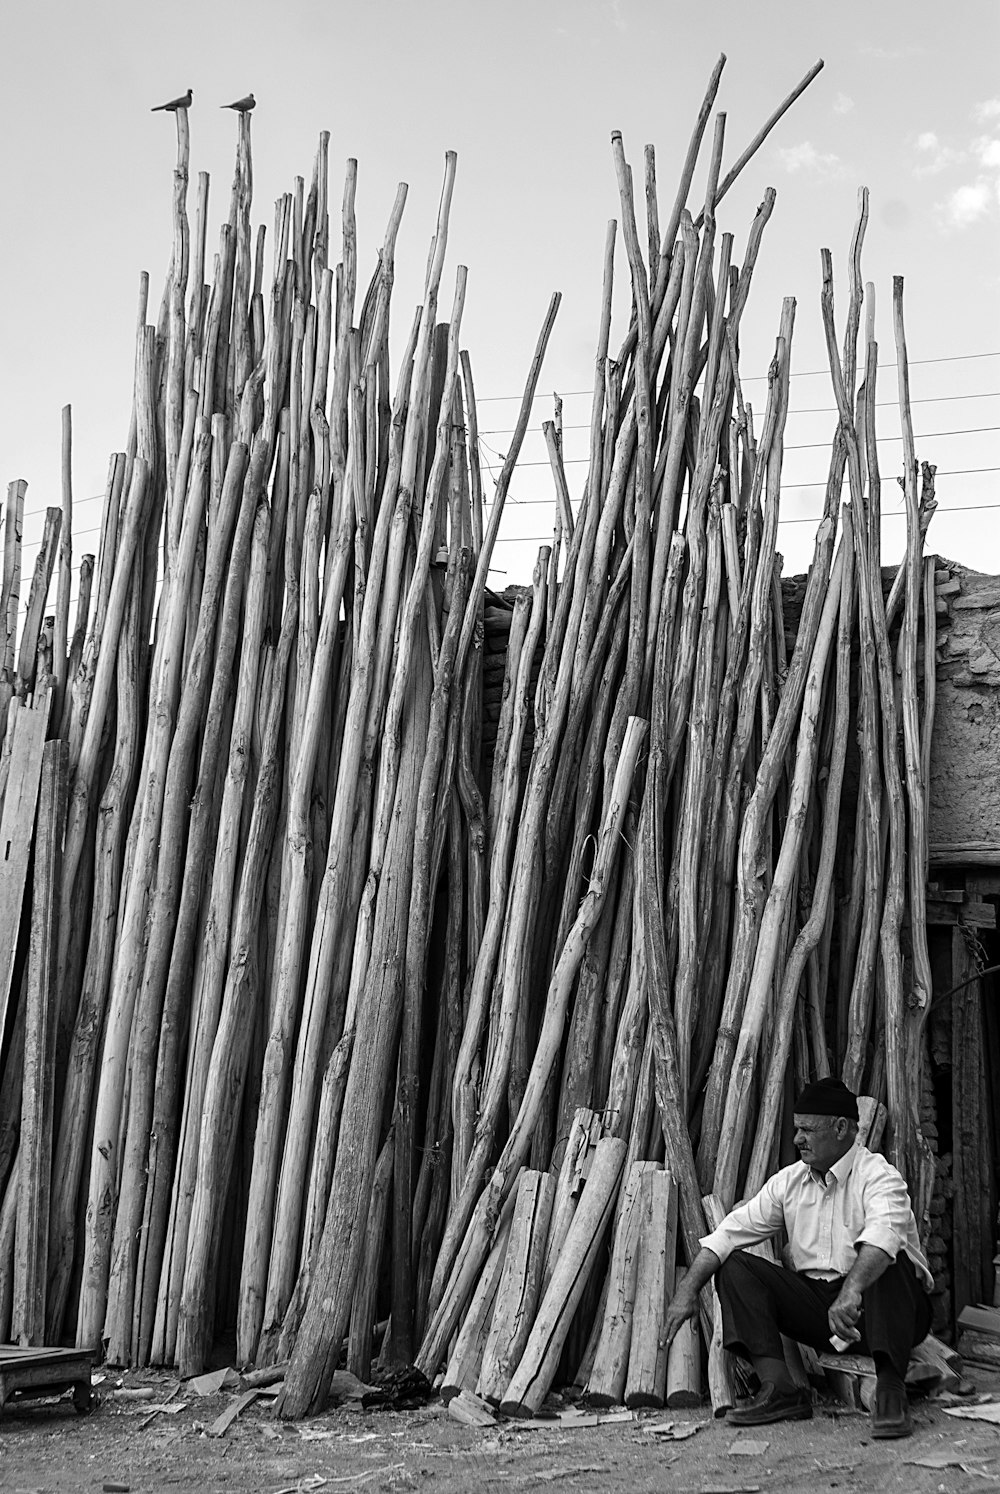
(749, 1223)
(887, 1211)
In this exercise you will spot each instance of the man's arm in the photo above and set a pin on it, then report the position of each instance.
(684, 1303)
(846, 1309)
(886, 1215)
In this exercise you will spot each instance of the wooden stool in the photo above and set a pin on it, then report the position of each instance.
(27, 1373)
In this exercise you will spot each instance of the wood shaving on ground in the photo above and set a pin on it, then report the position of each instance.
(570, 1420)
(946, 1460)
(988, 1411)
(222, 1423)
(362, 1478)
(548, 1475)
(748, 1447)
(674, 1431)
(213, 1382)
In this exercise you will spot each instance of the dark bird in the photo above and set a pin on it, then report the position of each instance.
(184, 102)
(242, 106)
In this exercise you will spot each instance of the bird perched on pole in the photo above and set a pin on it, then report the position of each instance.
(184, 102)
(242, 106)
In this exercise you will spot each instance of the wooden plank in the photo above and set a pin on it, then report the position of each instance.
(982, 1319)
(606, 1383)
(646, 1384)
(981, 1347)
(983, 887)
(14, 1356)
(220, 1426)
(978, 915)
(31, 1246)
(16, 824)
(965, 853)
(971, 1139)
(520, 1285)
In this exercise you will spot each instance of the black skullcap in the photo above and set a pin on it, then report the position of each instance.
(827, 1097)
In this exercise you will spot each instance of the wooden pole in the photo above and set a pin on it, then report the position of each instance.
(606, 1385)
(684, 1364)
(647, 1366)
(60, 637)
(519, 1287)
(32, 1241)
(27, 738)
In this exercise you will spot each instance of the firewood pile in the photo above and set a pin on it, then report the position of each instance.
(312, 1026)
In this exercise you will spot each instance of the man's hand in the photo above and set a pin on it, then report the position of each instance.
(844, 1313)
(683, 1305)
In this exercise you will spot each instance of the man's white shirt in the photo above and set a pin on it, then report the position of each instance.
(860, 1200)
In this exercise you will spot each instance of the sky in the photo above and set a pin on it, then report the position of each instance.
(527, 92)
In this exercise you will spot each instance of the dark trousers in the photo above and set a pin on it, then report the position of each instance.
(760, 1301)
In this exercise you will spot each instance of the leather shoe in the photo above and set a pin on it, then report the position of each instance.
(891, 1412)
(772, 1404)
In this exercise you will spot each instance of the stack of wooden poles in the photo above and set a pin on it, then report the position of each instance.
(314, 1028)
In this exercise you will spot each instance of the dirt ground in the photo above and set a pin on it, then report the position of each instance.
(46, 1449)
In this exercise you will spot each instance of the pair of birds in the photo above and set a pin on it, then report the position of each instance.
(242, 106)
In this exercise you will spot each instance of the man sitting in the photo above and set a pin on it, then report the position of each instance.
(858, 1275)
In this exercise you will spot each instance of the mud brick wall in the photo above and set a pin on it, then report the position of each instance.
(965, 748)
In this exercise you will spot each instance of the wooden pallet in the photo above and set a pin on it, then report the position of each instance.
(26, 1373)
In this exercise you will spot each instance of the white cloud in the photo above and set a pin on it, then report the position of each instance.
(967, 205)
(805, 157)
(842, 104)
(988, 152)
(935, 156)
(977, 160)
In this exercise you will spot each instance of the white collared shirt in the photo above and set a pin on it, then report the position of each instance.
(861, 1200)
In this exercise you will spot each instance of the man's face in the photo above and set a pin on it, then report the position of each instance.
(821, 1139)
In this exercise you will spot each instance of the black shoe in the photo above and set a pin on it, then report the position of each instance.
(891, 1412)
(772, 1404)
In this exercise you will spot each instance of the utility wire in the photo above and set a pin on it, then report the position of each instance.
(805, 446)
(882, 404)
(800, 445)
(804, 373)
(959, 508)
(788, 486)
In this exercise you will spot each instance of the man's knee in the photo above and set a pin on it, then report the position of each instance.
(738, 1265)
(734, 1264)
(740, 1277)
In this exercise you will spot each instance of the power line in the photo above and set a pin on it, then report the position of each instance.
(804, 373)
(802, 446)
(900, 513)
(958, 508)
(881, 404)
(785, 486)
